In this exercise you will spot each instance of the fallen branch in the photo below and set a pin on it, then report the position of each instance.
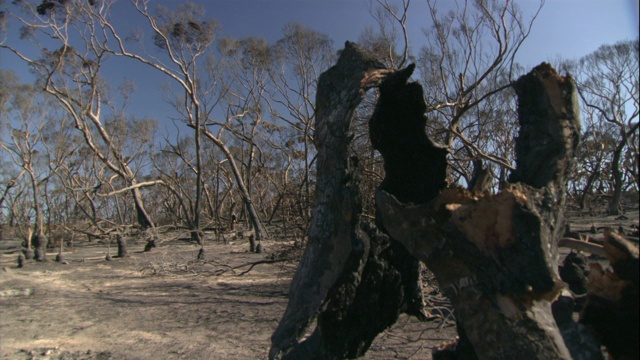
(134, 186)
(253, 264)
(580, 245)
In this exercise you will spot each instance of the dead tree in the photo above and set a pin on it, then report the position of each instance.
(496, 257)
(122, 246)
(352, 279)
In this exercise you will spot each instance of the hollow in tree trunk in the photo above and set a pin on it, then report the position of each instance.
(495, 257)
(353, 278)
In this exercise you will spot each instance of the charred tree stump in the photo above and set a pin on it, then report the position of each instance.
(352, 278)
(39, 243)
(252, 243)
(60, 257)
(22, 261)
(122, 246)
(496, 257)
(198, 237)
(151, 244)
(28, 253)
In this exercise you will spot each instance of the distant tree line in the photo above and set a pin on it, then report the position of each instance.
(241, 136)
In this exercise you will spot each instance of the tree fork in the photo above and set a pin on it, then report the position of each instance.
(496, 257)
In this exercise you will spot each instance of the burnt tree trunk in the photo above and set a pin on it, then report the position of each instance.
(352, 278)
(28, 252)
(496, 257)
(122, 246)
(252, 243)
(613, 297)
(39, 243)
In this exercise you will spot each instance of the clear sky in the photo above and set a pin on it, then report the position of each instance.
(567, 29)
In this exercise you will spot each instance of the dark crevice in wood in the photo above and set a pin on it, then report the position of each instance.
(495, 257)
(352, 278)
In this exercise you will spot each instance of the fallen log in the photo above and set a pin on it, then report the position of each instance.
(581, 245)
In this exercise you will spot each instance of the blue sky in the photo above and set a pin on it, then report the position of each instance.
(567, 29)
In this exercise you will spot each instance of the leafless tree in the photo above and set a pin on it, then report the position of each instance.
(72, 75)
(384, 39)
(185, 38)
(469, 57)
(300, 56)
(608, 81)
(29, 135)
(82, 176)
(246, 65)
(590, 178)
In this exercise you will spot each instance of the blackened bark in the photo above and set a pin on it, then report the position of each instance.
(616, 174)
(482, 178)
(549, 128)
(252, 243)
(151, 244)
(346, 278)
(415, 169)
(329, 254)
(496, 257)
(22, 261)
(144, 219)
(197, 236)
(122, 246)
(39, 243)
(580, 340)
